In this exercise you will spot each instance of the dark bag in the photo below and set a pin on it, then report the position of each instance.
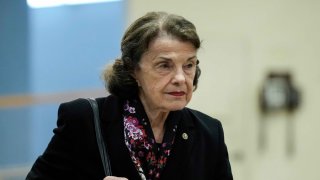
(101, 145)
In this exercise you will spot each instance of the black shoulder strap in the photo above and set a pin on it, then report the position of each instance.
(101, 145)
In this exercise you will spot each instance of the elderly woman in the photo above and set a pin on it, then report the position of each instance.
(149, 131)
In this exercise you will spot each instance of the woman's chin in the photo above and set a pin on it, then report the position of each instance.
(176, 106)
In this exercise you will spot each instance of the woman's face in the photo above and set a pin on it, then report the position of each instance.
(165, 74)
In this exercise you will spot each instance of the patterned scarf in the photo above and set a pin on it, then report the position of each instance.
(149, 157)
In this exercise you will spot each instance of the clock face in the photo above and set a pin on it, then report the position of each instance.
(275, 93)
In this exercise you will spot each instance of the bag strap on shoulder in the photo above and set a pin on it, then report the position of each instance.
(101, 145)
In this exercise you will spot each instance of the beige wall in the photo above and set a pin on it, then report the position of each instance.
(242, 42)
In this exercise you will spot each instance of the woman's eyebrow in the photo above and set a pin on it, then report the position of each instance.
(192, 58)
(164, 58)
(170, 59)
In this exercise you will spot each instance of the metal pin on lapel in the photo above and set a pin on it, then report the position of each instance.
(185, 136)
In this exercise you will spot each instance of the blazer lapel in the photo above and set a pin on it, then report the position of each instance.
(178, 160)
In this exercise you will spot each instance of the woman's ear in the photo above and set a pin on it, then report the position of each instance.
(135, 77)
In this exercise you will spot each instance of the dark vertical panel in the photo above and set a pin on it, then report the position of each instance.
(14, 79)
(14, 69)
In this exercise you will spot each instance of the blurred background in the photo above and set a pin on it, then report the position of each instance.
(260, 64)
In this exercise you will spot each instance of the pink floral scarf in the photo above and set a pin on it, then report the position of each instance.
(148, 157)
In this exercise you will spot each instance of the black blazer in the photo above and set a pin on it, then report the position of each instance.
(73, 153)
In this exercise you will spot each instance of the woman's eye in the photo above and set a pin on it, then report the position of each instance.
(164, 65)
(189, 66)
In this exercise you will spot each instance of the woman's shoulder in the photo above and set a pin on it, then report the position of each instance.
(83, 103)
(77, 114)
(205, 124)
(204, 120)
(80, 108)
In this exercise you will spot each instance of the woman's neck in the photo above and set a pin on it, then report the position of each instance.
(157, 120)
(157, 124)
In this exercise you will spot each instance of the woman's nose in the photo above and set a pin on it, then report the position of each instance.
(179, 76)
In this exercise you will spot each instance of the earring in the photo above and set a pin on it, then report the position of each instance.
(138, 83)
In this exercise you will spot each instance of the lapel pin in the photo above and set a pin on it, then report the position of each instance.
(185, 136)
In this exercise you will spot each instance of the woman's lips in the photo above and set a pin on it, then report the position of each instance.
(175, 93)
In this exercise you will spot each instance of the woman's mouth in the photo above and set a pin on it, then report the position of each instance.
(176, 93)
